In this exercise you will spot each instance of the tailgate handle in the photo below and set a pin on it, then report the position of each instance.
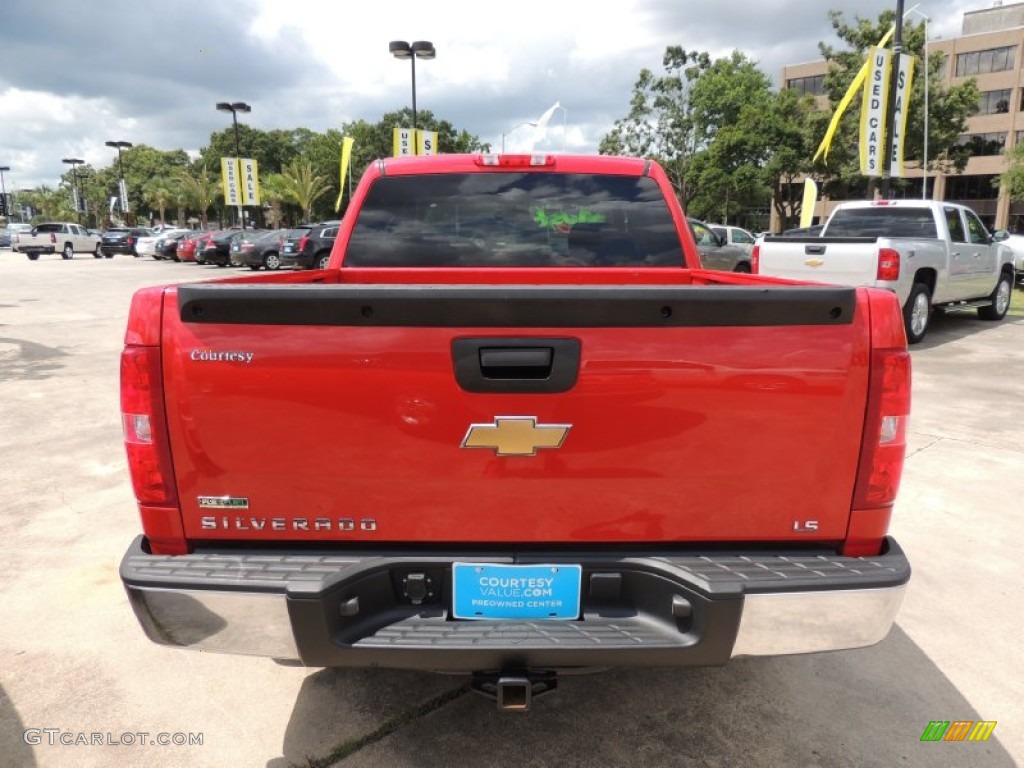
(516, 365)
(516, 362)
(814, 250)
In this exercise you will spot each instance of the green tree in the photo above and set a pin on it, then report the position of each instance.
(159, 194)
(201, 190)
(274, 194)
(303, 186)
(1013, 177)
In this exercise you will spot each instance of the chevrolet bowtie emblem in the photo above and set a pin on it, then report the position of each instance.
(515, 435)
(814, 262)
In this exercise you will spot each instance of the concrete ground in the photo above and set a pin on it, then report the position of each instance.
(74, 661)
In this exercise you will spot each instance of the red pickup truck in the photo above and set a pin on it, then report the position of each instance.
(514, 429)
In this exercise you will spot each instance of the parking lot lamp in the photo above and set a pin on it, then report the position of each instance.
(119, 145)
(234, 108)
(74, 162)
(421, 49)
(3, 189)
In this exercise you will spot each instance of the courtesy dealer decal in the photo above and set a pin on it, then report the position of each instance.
(213, 356)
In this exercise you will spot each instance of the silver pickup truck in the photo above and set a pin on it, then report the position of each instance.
(60, 237)
(931, 254)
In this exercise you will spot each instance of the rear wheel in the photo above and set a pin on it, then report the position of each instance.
(97, 252)
(323, 261)
(1000, 299)
(917, 312)
(32, 256)
(68, 252)
(272, 261)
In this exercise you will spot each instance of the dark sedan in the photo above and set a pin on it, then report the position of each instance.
(121, 240)
(308, 246)
(216, 247)
(258, 249)
(166, 246)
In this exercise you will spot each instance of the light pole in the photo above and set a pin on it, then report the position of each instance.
(420, 49)
(119, 145)
(234, 108)
(3, 192)
(509, 133)
(924, 164)
(74, 162)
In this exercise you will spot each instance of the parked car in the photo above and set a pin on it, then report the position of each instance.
(146, 245)
(715, 253)
(166, 245)
(7, 235)
(121, 240)
(1016, 244)
(258, 249)
(186, 250)
(309, 245)
(215, 247)
(737, 236)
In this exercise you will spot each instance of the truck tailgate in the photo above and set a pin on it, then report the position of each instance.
(599, 413)
(838, 261)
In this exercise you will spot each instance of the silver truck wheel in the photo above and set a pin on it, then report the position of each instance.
(1000, 300)
(917, 312)
(69, 251)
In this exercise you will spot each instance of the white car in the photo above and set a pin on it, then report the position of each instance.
(1016, 244)
(737, 236)
(146, 245)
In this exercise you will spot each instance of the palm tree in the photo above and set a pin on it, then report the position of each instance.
(201, 190)
(273, 193)
(303, 186)
(158, 193)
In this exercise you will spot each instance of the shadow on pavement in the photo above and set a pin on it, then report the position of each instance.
(14, 751)
(859, 708)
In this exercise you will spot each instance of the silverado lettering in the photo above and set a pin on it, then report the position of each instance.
(736, 449)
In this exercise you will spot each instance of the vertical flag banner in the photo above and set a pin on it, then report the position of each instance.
(346, 160)
(807, 206)
(404, 142)
(250, 182)
(123, 187)
(229, 180)
(541, 129)
(872, 112)
(904, 81)
(858, 81)
(426, 142)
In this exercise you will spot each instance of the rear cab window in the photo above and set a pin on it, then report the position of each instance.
(882, 222)
(514, 219)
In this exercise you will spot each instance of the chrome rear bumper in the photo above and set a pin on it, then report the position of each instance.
(659, 609)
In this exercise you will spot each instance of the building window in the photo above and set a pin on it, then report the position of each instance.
(1018, 137)
(994, 102)
(972, 187)
(814, 85)
(983, 144)
(982, 62)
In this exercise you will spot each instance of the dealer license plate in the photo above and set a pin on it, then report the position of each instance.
(481, 591)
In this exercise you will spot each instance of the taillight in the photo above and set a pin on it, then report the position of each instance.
(131, 241)
(515, 161)
(755, 260)
(53, 237)
(303, 241)
(882, 451)
(148, 448)
(888, 264)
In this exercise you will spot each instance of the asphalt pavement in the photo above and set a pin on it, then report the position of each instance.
(75, 666)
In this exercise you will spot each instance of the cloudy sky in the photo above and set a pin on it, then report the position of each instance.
(74, 74)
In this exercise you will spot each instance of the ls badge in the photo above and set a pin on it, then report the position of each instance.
(515, 435)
